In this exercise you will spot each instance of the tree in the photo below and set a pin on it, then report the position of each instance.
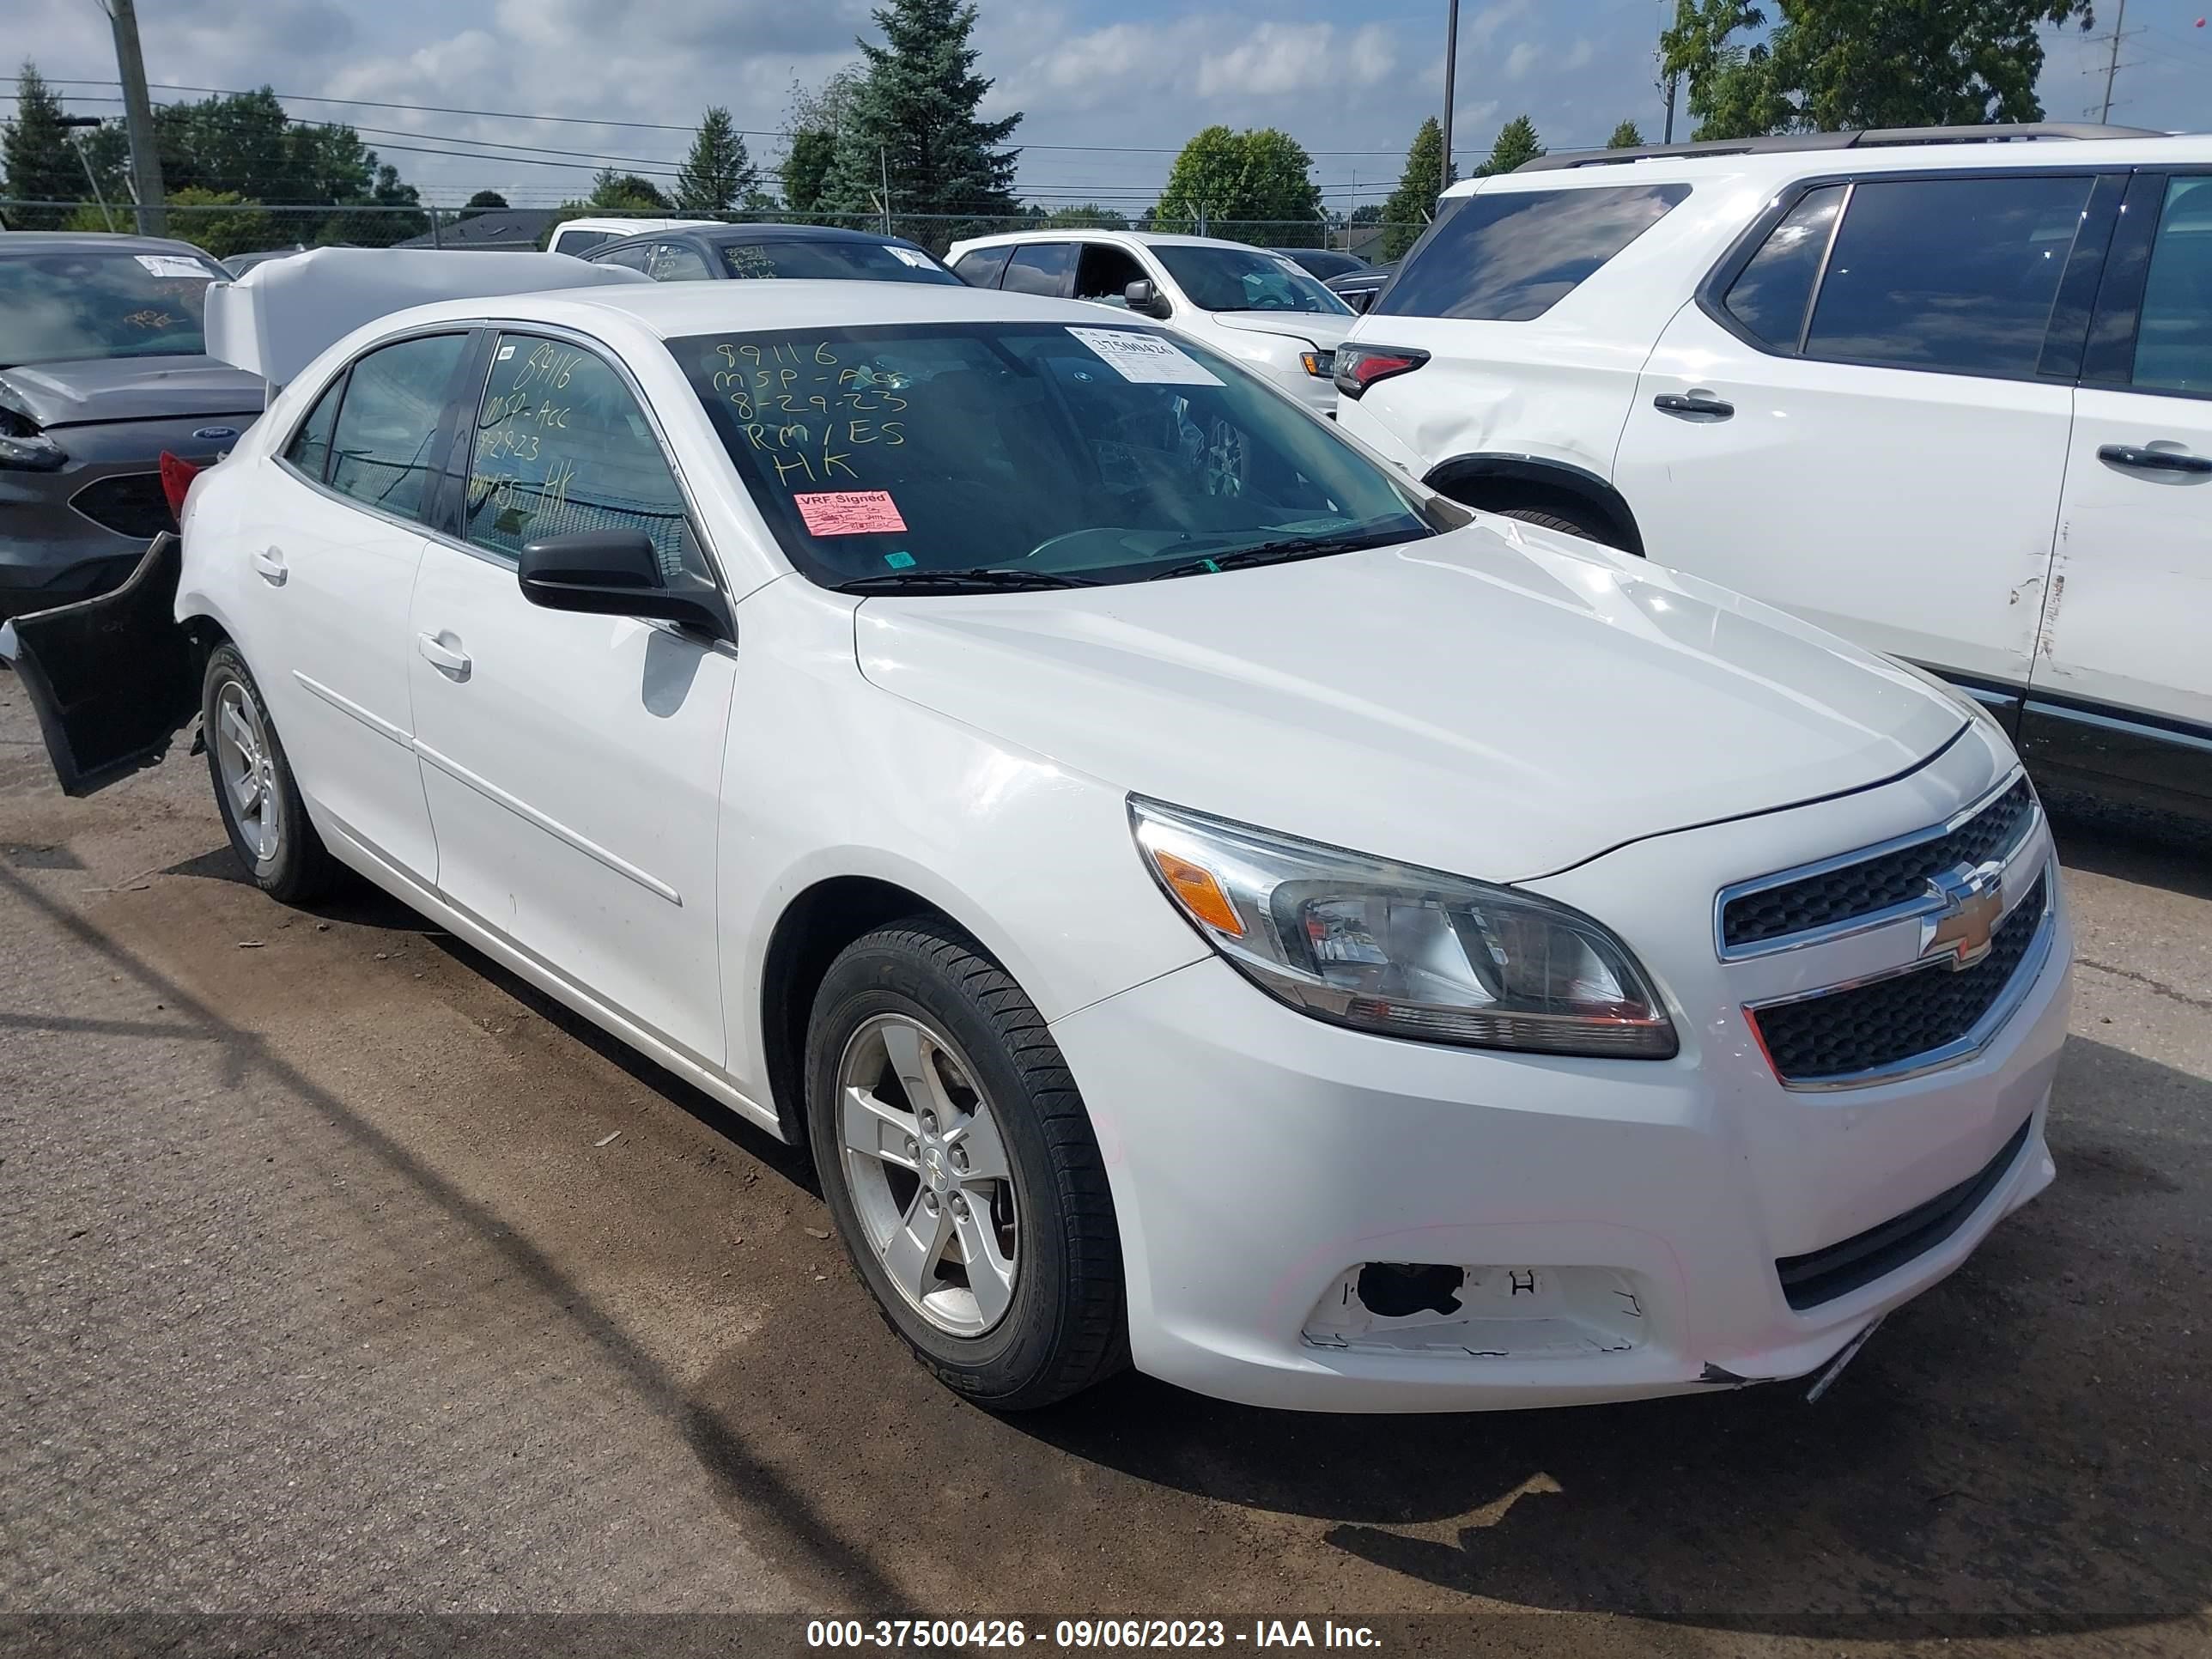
(1517, 143)
(35, 146)
(220, 221)
(1413, 204)
(1827, 65)
(484, 201)
(1626, 136)
(1261, 178)
(1089, 216)
(719, 174)
(911, 122)
(613, 192)
(812, 121)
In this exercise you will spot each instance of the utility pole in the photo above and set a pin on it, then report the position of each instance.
(85, 162)
(138, 113)
(883, 161)
(1451, 64)
(1667, 82)
(2112, 64)
(1671, 82)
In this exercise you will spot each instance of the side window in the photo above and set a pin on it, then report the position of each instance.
(579, 241)
(561, 447)
(629, 259)
(1040, 267)
(983, 268)
(381, 444)
(1956, 274)
(2173, 341)
(672, 261)
(310, 448)
(1769, 297)
(1511, 256)
(1103, 272)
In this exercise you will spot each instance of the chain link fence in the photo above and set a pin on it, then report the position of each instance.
(229, 229)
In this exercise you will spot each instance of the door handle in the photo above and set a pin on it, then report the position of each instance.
(2152, 460)
(447, 659)
(1697, 405)
(269, 565)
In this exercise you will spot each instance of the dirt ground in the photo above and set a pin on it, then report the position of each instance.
(323, 1295)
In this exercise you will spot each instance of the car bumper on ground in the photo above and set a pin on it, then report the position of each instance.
(1584, 1231)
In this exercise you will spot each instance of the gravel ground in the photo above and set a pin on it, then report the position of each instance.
(322, 1296)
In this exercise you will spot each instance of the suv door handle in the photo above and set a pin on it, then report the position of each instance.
(1695, 406)
(2152, 460)
(269, 564)
(449, 658)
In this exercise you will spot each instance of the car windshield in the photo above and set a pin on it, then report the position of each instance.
(833, 261)
(1245, 279)
(65, 305)
(1031, 452)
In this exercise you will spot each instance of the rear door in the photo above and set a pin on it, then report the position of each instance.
(1855, 419)
(1046, 268)
(2122, 687)
(334, 540)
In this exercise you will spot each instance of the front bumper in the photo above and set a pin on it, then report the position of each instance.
(1259, 1156)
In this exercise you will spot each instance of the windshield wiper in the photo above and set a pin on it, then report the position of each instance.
(1286, 551)
(979, 581)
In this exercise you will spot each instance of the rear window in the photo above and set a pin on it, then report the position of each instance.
(1512, 256)
(580, 241)
(983, 267)
(1771, 295)
(830, 261)
(69, 305)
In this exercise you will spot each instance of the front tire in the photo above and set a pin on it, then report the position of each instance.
(254, 791)
(1588, 528)
(959, 1164)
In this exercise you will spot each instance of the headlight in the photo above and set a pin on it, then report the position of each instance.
(23, 446)
(1319, 364)
(1400, 950)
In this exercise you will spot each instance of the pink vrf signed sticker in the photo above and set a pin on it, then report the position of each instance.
(849, 513)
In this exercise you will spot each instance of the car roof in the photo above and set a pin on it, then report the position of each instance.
(92, 241)
(672, 310)
(1133, 238)
(735, 235)
(1771, 169)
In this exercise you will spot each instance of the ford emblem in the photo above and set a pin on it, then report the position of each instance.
(216, 434)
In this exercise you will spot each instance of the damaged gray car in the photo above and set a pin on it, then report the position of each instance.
(103, 366)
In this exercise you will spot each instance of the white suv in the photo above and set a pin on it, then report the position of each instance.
(1252, 305)
(1947, 398)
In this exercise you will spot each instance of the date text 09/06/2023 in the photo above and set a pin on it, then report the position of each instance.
(1079, 1635)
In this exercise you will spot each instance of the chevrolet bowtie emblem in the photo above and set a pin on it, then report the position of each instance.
(1973, 904)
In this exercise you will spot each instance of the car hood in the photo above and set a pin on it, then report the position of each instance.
(1315, 328)
(1494, 703)
(129, 389)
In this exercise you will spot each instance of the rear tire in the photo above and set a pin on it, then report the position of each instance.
(974, 1204)
(270, 830)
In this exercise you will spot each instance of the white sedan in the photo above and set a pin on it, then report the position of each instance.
(1204, 900)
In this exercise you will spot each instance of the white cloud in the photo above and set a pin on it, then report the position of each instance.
(1579, 55)
(1522, 59)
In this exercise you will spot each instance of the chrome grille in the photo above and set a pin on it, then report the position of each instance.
(1866, 887)
(1890, 1022)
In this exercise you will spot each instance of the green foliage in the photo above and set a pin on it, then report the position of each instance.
(1089, 216)
(805, 171)
(1413, 204)
(624, 192)
(911, 120)
(1829, 65)
(1626, 136)
(1370, 215)
(719, 174)
(484, 201)
(1261, 177)
(35, 149)
(222, 222)
(1517, 143)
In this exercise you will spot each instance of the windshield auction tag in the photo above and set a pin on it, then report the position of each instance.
(849, 513)
(918, 261)
(171, 264)
(1147, 359)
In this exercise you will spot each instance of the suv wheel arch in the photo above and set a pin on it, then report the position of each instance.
(1508, 483)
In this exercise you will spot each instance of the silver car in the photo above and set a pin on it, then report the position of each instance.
(102, 367)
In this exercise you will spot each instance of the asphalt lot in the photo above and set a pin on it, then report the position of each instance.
(322, 1294)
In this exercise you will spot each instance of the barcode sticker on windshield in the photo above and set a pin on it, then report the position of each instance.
(171, 264)
(1146, 358)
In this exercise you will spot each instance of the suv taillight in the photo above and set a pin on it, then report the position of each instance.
(1358, 366)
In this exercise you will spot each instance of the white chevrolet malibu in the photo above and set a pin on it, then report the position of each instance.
(1205, 902)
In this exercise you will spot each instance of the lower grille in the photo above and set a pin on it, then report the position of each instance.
(129, 504)
(1823, 1275)
(1891, 1021)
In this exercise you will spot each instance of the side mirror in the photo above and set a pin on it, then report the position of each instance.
(613, 573)
(1144, 298)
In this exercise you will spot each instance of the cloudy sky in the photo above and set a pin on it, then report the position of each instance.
(1109, 88)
